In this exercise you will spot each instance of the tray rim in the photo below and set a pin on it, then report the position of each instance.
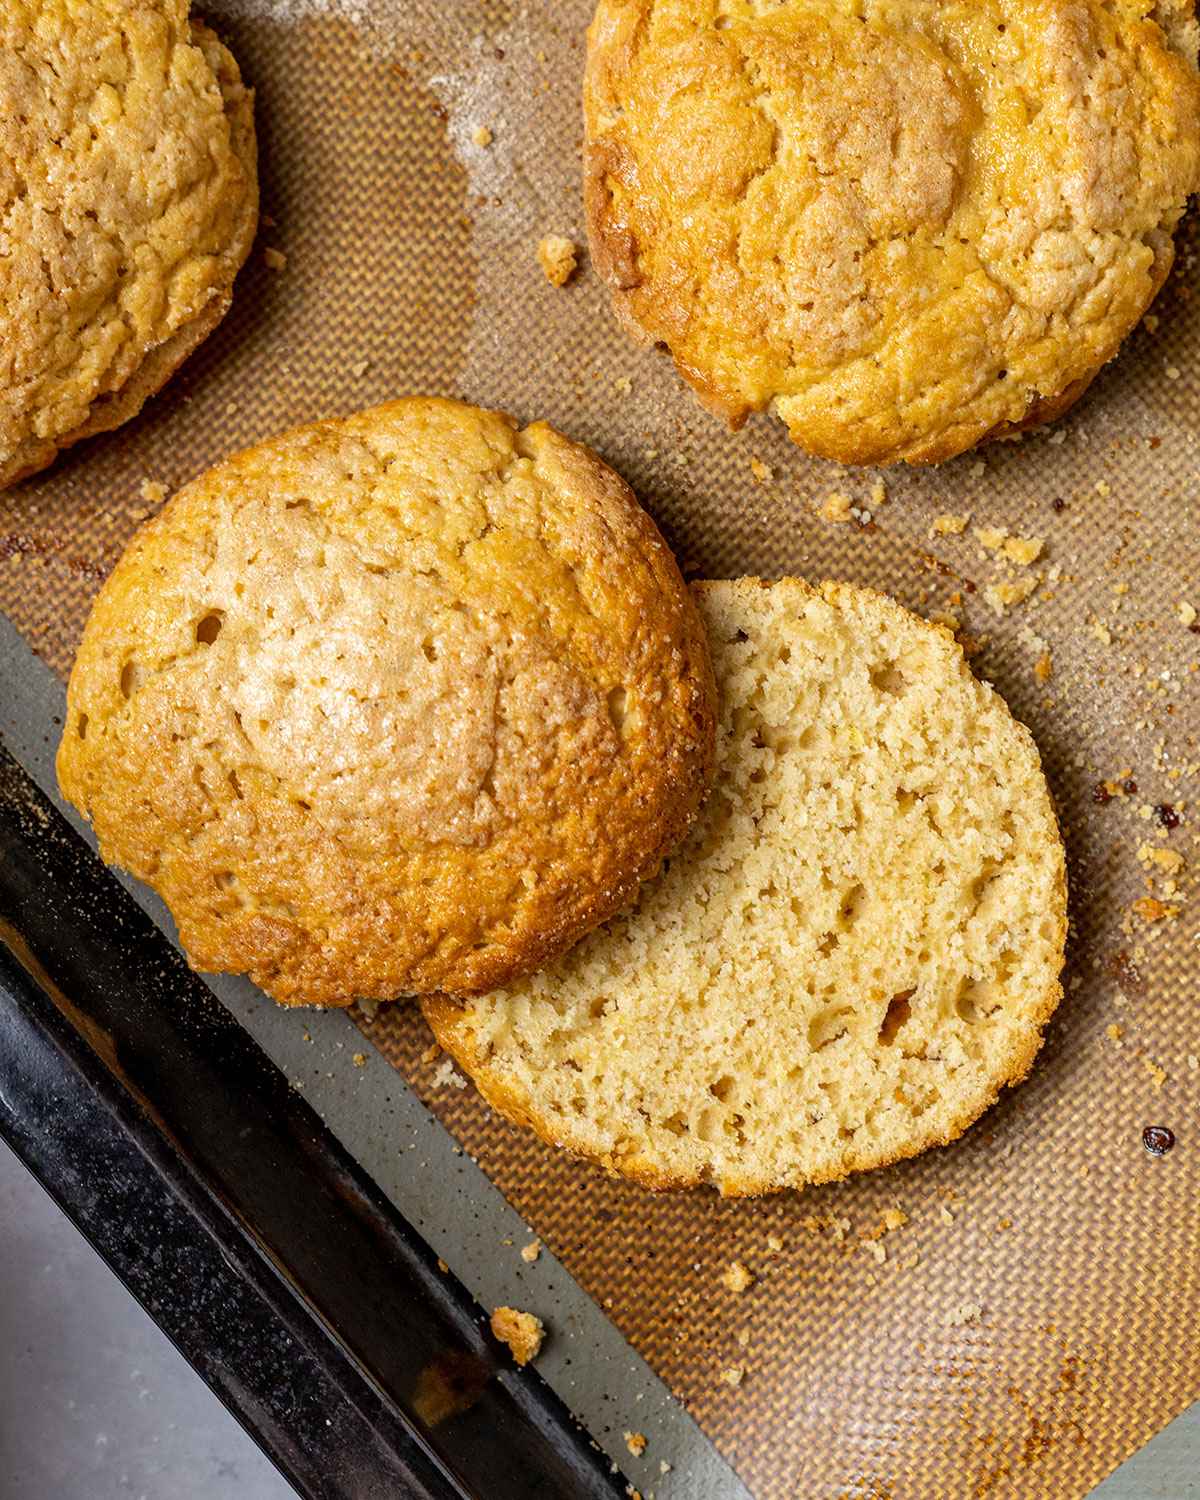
(97, 1115)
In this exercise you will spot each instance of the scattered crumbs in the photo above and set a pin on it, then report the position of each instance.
(945, 1215)
(949, 525)
(530, 1252)
(521, 1331)
(448, 1075)
(879, 494)
(1169, 860)
(636, 1443)
(742, 1338)
(1185, 611)
(1058, 436)
(1158, 1076)
(442, 1266)
(623, 385)
(876, 1249)
(1100, 631)
(663, 1466)
(360, 368)
(1022, 550)
(431, 1053)
(815, 1224)
(1151, 909)
(275, 260)
(774, 1243)
(1001, 596)
(1043, 668)
(359, 1059)
(1193, 1062)
(1114, 1032)
(738, 1276)
(1173, 372)
(733, 1376)
(978, 469)
(893, 1218)
(154, 493)
(835, 507)
(761, 471)
(1103, 487)
(558, 259)
(482, 136)
(965, 1312)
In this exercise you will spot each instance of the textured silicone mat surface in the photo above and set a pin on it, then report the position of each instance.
(1037, 1317)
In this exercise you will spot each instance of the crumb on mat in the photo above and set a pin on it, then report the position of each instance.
(521, 1331)
(558, 258)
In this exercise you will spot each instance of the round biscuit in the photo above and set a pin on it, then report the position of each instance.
(408, 701)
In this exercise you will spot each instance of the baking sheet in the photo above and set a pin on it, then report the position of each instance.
(1035, 1320)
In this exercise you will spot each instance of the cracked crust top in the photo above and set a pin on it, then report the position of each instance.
(854, 950)
(404, 702)
(906, 225)
(128, 202)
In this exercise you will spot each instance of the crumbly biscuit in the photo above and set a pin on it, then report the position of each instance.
(857, 946)
(128, 202)
(904, 225)
(403, 702)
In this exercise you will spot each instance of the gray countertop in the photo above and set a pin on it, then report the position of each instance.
(95, 1402)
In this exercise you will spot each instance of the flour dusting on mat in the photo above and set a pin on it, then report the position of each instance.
(357, 11)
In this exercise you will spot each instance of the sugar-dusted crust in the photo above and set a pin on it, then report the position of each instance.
(707, 1036)
(404, 702)
(129, 191)
(906, 231)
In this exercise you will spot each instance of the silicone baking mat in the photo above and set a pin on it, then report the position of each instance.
(1036, 1315)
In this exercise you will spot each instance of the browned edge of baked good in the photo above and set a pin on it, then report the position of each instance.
(114, 408)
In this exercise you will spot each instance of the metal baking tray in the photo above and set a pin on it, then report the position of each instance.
(285, 1215)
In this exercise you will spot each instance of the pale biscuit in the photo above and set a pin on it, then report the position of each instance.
(855, 949)
(904, 225)
(128, 202)
(404, 702)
